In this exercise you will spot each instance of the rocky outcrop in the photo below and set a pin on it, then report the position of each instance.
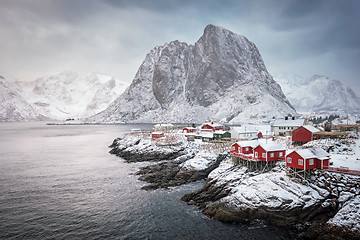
(177, 164)
(139, 150)
(326, 205)
(171, 173)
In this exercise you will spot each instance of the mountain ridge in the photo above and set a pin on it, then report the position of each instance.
(213, 78)
(319, 94)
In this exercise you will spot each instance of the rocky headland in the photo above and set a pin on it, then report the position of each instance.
(175, 162)
(325, 206)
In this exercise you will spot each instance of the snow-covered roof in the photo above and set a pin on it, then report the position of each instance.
(269, 147)
(265, 129)
(244, 129)
(213, 124)
(157, 133)
(252, 143)
(314, 152)
(220, 132)
(189, 128)
(288, 123)
(311, 128)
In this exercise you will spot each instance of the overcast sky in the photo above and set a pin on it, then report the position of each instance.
(42, 37)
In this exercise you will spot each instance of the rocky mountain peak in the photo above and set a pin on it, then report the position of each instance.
(217, 77)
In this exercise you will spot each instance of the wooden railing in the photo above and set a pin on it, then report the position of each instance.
(244, 156)
(343, 170)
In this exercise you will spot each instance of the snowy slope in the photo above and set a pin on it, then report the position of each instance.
(68, 95)
(13, 106)
(221, 77)
(318, 94)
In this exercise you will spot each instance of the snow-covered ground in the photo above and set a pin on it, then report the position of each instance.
(345, 153)
(351, 161)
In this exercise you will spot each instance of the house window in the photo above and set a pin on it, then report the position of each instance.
(233, 148)
(289, 159)
(311, 162)
(301, 162)
(247, 149)
(256, 154)
(271, 154)
(264, 155)
(280, 154)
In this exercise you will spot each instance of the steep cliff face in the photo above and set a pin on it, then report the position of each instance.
(319, 94)
(221, 77)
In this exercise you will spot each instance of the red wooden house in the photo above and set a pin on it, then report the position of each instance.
(189, 130)
(309, 158)
(244, 147)
(304, 134)
(212, 127)
(155, 135)
(270, 152)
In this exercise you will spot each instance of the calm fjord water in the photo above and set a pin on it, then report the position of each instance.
(60, 182)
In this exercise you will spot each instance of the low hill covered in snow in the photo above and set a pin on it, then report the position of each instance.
(222, 76)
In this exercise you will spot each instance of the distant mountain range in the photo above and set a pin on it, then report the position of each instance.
(222, 76)
(59, 96)
(318, 94)
(14, 107)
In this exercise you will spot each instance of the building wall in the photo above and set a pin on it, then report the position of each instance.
(295, 161)
(189, 130)
(249, 150)
(285, 131)
(325, 163)
(207, 126)
(276, 155)
(235, 148)
(259, 150)
(268, 155)
(301, 135)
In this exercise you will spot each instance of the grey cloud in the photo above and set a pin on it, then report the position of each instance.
(113, 36)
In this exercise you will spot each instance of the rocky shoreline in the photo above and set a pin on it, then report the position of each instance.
(170, 169)
(326, 206)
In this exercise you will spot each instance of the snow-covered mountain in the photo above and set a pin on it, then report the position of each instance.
(13, 106)
(318, 94)
(221, 77)
(68, 95)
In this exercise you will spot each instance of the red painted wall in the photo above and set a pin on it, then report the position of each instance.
(260, 135)
(236, 148)
(157, 135)
(187, 130)
(249, 151)
(259, 150)
(219, 128)
(207, 126)
(295, 162)
(276, 156)
(325, 163)
(301, 135)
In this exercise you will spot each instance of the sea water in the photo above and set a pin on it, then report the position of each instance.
(60, 182)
